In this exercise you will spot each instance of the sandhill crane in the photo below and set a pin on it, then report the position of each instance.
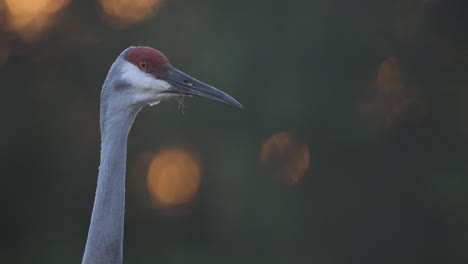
(140, 76)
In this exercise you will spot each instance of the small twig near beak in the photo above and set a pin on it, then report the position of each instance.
(180, 100)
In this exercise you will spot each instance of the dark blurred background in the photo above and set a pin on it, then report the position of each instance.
(352, 147)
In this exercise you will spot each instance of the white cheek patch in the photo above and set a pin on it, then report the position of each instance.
(144, 88)
(142, 80)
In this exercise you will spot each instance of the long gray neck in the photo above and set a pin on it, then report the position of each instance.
(105, 236)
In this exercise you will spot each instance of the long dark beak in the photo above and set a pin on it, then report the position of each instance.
(185, 84)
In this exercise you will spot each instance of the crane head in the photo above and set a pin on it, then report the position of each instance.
(147, 77)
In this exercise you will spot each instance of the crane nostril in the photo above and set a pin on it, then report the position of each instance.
(189, 83)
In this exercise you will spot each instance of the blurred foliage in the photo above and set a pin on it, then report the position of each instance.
(376, 90)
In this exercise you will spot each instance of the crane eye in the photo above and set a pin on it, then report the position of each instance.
(143, 65)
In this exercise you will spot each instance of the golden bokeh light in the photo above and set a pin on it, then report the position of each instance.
(390, 100)
(124, 13)
(30, 18)
(388, 76)
(173, 177)
(286, 157)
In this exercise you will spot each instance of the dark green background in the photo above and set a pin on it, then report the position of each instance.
(375, 193)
